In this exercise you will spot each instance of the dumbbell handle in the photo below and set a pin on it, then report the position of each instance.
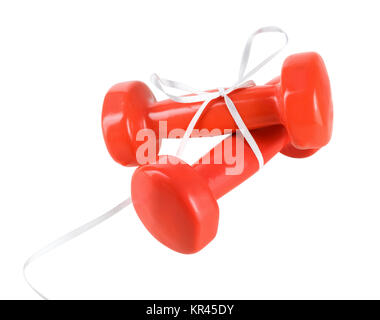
(270, 141)
(258, 106)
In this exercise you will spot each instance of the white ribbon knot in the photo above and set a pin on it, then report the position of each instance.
(200, 95)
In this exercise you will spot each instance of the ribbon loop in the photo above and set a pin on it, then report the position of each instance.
(247, 51)
(206, 97)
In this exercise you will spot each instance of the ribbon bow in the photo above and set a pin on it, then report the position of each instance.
(207, 97)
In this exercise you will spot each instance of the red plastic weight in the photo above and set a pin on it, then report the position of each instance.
(177, 203)
(300, 99)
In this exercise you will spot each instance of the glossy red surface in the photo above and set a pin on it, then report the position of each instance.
(177, 202)
(124, 114)
(301, 102)
(270, 140)
(307, 110)
(176, 205)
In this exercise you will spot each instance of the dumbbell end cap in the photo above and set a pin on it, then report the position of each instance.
(308, 107)
(123, 115)
(175, 204)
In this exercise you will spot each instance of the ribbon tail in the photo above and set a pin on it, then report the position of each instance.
(68, 237)
(191, 126)
(244, 130)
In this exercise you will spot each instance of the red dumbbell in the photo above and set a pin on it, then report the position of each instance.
(301, 101)
(177, 203)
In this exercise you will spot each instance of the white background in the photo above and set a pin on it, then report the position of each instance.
(305, 228)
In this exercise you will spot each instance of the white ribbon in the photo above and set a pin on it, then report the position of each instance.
(70, 236)
(198, 96)
(207, 97)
